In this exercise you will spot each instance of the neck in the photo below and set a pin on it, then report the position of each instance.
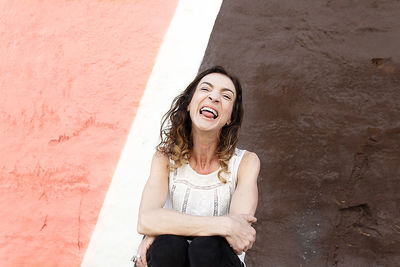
(203, 155)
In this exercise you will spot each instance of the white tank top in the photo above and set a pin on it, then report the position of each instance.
(203, 195)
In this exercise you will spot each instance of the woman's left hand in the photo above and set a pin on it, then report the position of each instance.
(142, 250)
(241, 235)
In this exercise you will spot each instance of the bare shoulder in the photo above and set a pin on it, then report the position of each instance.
(250, 159)
(160, 157)
(249, 167)
(159, 164)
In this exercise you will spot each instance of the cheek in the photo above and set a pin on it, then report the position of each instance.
(194, 101)
(229, 112)
(192, 108)
(191, 104)
(192, 114)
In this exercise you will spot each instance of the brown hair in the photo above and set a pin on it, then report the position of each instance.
(176, 140)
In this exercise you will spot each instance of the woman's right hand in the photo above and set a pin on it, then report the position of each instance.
(142, 250)
(241, 235)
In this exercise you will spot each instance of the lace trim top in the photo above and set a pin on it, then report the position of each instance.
(203, 195)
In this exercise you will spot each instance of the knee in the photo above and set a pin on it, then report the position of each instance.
(167, 249)
(166, 244)
(206, 247)
(211, 251)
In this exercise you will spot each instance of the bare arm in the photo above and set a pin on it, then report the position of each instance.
(244, 201)
(245, 198)
(154, 220)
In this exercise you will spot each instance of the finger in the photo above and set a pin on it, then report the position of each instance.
(144, 260)
(253, 232)
(237, 251)
(252, 219)
(249, 218)
(143, 257)
(139, 263)
(251, 245)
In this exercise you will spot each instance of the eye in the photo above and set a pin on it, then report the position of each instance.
(228, 97)
(204, 89)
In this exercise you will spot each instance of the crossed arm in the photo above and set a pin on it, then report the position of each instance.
(235, 227)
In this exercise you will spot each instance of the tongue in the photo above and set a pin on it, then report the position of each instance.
(208, 114)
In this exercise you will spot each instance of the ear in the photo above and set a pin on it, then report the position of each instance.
(228, 122)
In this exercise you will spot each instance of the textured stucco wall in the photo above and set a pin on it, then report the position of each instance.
(321, 92)
(71, 77)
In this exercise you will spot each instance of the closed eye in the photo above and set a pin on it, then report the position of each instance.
(204, 89)
(227, 97)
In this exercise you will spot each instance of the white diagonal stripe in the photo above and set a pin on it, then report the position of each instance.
(115, 239)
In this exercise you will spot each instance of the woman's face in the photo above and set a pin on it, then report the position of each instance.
(212, 103)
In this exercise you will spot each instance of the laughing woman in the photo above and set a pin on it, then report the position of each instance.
(210, 184)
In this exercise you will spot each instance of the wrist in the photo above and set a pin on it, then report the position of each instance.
(226, 226)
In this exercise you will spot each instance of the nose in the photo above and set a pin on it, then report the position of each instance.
(214, 97)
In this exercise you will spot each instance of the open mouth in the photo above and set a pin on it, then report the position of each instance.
(209, 112)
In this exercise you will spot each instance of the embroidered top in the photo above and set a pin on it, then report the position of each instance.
(203, 195)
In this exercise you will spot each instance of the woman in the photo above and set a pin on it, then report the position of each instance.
(210, 184)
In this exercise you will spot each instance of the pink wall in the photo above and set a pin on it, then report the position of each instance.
(71, 77)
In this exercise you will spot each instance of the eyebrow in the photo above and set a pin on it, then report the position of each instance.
(223, 89)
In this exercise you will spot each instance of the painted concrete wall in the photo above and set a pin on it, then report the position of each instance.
(71, 77)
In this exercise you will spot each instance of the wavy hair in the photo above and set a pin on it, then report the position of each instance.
(176, 127)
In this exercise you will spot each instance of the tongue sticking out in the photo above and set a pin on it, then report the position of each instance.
(208, 114)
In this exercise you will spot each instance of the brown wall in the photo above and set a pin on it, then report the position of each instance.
(322, 103)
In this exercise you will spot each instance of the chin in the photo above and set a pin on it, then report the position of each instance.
(207, 128)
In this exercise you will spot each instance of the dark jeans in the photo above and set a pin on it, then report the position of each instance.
(203, 251)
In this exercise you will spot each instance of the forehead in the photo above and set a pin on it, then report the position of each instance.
(219, 81)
